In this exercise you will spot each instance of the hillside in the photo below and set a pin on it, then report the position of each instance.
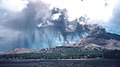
(67, 52)
(99, 37)
(98, 44)
(20, 50)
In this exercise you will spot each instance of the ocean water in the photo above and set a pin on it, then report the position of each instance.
(63, 63)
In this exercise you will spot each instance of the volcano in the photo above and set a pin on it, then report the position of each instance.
(100, 38)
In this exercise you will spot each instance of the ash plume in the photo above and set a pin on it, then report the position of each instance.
(38, 26)
(18, 28)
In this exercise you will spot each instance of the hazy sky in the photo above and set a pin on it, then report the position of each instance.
(18, 18)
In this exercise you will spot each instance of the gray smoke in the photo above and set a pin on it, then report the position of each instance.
(20, 29)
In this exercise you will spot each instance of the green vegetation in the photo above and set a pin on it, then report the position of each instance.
(67, 53)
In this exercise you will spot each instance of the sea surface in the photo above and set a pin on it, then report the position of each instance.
(62, 63)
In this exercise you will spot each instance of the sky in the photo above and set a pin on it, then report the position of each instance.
(19, 19)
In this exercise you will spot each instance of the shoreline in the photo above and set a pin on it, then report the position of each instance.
(45, 60)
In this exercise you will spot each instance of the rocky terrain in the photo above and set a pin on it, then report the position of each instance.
(100, 38)
(20, 50)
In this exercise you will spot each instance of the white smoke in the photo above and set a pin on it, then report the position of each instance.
(94, 9)
(102, 12)
(14, 5)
